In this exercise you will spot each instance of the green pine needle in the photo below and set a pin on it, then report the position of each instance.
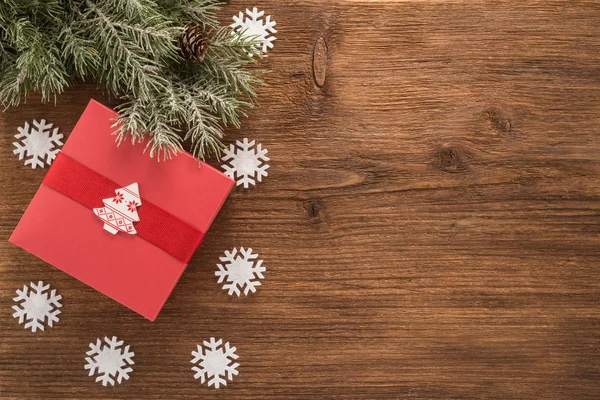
(129, 47)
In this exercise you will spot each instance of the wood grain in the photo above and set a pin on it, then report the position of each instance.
(430, 223)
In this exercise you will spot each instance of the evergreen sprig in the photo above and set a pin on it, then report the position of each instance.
(129, 48)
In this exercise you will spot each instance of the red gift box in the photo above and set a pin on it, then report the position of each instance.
(86, 220)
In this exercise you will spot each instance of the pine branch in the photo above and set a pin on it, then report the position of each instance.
(201, 12)
(78, 52)
(128, 66)
(38, 66)
(129, 48)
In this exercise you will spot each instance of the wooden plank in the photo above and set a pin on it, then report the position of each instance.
(430, 222)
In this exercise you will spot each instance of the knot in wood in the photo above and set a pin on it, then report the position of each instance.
(313, 209)
(450, 159)
(497, 120)
(319, 62)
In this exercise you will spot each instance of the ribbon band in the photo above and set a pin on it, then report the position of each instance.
(157, 226)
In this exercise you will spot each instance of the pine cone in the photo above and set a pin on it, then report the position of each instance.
(194, 43)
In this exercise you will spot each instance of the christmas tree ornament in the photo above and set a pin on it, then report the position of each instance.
(109, 360)
(179, 200)
(252, 25)
(215, 362)
(37, 143)
(130, 49)
(245, 163)
(194, 43)
(240, 271)
(37, 306)
(120, 211)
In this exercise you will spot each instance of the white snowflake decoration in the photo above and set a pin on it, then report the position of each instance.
(37, 306)
(109, 360)
(253, 25)
(245, 163)
(240, 270)
(214, 362)
(37, 143)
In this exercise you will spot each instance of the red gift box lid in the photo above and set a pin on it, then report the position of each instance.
(125, 267)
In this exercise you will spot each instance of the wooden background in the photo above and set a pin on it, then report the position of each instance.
(430, 223)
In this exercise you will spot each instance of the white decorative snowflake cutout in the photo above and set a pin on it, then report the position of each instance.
(109, 360)
(215, 361)
(37, 306)
(240, 270)
(244, 162)
(37, 143)
(253, 25)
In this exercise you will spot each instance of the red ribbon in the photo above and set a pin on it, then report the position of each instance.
(156, 226)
